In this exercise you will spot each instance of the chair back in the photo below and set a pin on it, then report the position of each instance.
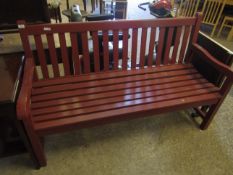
(212, 10)
(188, 8)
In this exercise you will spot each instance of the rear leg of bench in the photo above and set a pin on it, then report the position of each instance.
(37, 146)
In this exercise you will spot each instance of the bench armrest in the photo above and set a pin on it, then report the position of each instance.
(206, 56)
(23, 102)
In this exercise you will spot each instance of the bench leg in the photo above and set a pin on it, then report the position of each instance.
(37, 145)
(209, 116)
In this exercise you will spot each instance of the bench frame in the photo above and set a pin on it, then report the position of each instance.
(186, 56)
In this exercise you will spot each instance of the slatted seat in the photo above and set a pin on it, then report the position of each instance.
(157, 79)
(71, 101)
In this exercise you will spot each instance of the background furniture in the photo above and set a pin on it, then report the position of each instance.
(31, 11)
(225, 23)
(188, 8)
(116, 7)
(213, 11)
(55, 13)
(10, 140)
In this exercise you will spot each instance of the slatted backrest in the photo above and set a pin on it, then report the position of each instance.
(153, 42)
(212, 10)
(188, 8)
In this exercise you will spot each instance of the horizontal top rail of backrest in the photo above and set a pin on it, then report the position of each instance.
(106, 25)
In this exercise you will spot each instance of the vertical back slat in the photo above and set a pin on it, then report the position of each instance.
(115, 48)
(41, 55)
(213, 12)
(143, 47)
(96, 51)
(65, 58)
(53, 54)
(184, 43)
(75, 53)
(160, 46)
(106, 50)
(187, 3)
(176, 45)
(210, 10)
(168, 45)
(125, 49)
(191, 8)
(134, 48)
(207, 10)
(151, 47)
(86, 56)
(216, 12)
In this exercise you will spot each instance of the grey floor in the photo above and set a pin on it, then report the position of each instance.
(168, 144)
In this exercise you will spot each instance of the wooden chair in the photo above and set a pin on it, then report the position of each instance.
(225, 23)
(212, 10)
(188, 8)
(55, 13)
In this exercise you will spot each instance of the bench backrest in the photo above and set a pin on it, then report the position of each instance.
(55, 47)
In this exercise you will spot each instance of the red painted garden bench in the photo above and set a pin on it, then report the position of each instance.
(60, 91)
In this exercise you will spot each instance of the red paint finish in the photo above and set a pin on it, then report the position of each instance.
(89, 94)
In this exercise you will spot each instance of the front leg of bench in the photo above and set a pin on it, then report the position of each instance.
(225, 88)
(24, 113)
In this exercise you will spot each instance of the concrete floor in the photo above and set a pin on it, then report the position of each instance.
(168, 144)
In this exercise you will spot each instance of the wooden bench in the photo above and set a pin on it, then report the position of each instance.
(56, 102)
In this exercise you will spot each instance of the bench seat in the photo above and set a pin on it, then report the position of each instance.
(79, 100)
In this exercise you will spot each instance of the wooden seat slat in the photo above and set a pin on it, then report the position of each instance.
(124, 104)
(112, 81)
(51, 96)
(78, 98)
(99, 76)
(92, 90)
(121, 97)
(149, 108)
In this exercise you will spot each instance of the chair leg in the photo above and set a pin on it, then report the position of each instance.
(209, 116)
(220, 30)
(230, 35)
(37, 145)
